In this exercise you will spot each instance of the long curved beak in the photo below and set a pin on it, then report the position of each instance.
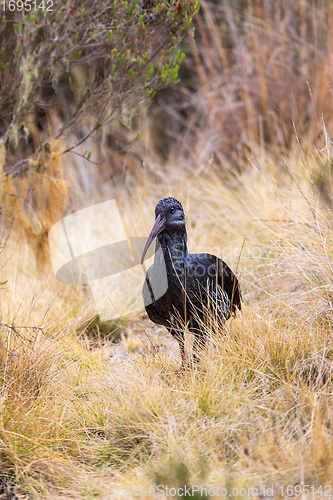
(158, 227)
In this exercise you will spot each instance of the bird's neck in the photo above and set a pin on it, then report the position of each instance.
(174, 248)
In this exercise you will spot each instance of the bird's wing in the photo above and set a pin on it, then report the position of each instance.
(219, 281)
(221, 301)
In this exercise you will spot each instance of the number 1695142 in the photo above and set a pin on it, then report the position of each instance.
(305, 489)
(27, 5)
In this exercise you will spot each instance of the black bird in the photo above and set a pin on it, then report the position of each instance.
(181, 288)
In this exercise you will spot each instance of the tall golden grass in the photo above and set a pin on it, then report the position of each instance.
(82, 417)
(258, 73)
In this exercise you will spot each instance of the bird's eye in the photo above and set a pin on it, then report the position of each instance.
(172, 210)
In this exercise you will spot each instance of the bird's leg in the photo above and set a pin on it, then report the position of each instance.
(179, 336)
(199, 339)
(181, 342)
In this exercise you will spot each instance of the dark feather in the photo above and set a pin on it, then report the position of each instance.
(182, 288)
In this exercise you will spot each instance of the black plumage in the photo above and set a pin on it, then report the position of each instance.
(181, 288)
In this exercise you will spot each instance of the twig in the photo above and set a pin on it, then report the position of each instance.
(120, 151)
(14, 329)
(19, 167)
(81, 140)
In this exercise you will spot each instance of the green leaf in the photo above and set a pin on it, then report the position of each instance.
(182, 57)
(71, 84)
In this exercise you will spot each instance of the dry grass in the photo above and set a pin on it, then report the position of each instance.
(257, 72)
(83, 417)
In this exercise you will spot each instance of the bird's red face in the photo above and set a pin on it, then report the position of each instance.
(169, 217)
